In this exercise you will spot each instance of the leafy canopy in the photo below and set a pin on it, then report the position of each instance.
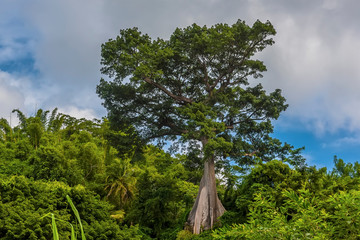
(195, 85)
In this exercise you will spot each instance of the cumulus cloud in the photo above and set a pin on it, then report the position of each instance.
(62, 40)
(315, 62)
(78, 113)
(347, 142)
(315, 58)
(11, 96)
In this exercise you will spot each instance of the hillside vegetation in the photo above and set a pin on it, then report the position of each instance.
(126, 190)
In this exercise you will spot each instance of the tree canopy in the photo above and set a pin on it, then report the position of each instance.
(196, 87)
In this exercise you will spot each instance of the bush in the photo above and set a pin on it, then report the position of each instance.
(25, 202)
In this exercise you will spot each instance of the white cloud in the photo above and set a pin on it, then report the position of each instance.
(78, 113)
(64, 39)
(11, 96)
(316, 65)
(17, 93)
(68, 51)
(344, 142)
(314, 60)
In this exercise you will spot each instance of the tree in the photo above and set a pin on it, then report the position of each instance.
(120, 182)
(163, 197)
(5, 130)
(195, 88)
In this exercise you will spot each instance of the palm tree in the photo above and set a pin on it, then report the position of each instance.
(42, 115)
(22, 118)
(120, 182)
(34, 127)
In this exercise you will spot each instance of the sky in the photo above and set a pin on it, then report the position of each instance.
(50, 57)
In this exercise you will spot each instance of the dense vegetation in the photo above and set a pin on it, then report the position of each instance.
(47, 157)
(126, 191)
(127, 187)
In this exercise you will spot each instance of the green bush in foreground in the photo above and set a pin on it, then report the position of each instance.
(302, 216)
(24, 203)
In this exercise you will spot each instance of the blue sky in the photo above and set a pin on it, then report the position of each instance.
(50, 57)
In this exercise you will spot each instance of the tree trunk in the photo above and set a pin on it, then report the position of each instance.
(207, 208)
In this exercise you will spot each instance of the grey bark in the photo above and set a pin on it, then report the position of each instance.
(208, 207)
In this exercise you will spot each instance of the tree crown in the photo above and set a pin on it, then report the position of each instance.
(194, 85)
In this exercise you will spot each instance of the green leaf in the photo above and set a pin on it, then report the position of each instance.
(77, 216)
(54, 228)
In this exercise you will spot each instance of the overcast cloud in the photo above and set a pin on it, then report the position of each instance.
(50, 52)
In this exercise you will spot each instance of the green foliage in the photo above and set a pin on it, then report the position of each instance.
(72, 151)
(5, 130)
(24, 202)
(192, 88)
(148, 193)
(324, 205)
(195, 87)
(344, 208)
(60, 147)
(121, 182)
(50, 163)
(266, 221)
(77, 216)
(186, 235)
(164, 198)
(54, 228)
(270, 178)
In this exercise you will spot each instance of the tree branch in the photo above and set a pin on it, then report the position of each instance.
(180, 99)
(232, 68)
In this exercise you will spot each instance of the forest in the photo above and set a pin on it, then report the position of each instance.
(185, 152)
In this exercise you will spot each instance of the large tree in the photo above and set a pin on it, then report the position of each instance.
(195, 88)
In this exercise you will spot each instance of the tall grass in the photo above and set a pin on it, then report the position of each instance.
(77, 215)
(54, 228)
